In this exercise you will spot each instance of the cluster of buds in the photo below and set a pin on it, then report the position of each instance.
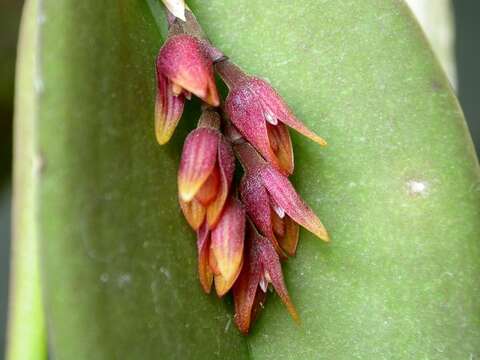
(244, 230)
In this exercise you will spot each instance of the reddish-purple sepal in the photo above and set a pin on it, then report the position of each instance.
(285, 196)
(258, 206)
(263, 184)
(260, 115)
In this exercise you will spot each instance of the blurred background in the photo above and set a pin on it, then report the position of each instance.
(459, 50)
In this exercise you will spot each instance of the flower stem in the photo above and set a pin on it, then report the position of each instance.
(230, 73)
(248, 156)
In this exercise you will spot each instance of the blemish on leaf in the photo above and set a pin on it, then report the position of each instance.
(417, 187)
(123, 280)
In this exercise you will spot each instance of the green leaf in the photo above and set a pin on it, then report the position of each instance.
(398, 187)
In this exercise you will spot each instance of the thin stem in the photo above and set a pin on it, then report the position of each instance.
(210, 118)
(230, 73)
(248, 156)
(188, 27)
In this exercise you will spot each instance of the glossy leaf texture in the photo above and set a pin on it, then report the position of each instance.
(398, 187)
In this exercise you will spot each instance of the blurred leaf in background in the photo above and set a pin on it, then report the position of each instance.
(467, 53)
(10, 11)
(9, 20)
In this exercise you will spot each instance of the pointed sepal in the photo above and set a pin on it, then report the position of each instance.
(285, 196)
(262, 266)
(205, 273)
(168, 109)
(227, 241)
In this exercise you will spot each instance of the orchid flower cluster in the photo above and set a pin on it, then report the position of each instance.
(243, 231)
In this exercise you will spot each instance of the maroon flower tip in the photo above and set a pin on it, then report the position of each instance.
(185, 61)
(205, 273)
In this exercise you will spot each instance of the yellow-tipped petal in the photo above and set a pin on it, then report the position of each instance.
(211, 96)
(224, 284)
(289, 240)
(281, 146)
(226, 166)
(227, 245)
(210, 188)
(168, 110)
(205, 274)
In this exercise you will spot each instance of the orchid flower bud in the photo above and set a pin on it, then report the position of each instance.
(206, 172)
(184, 67)
(261, 267)
(273, 204)
(262, 116)
(220, 251)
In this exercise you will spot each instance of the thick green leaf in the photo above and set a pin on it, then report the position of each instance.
(398, 187)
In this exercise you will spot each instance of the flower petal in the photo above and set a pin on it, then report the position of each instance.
(204, 272)
(198, 161)
(209, 190)
(213, 263)
(282, 191)
(281, 145)
(184, 61)
(168, 110)
(193, 211)
(289, 240)
(226, 165)
(227, 244)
